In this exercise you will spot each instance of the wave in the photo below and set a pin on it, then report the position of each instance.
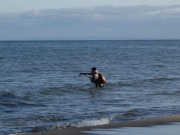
(96, 122)
(9, 99)
(162, 79)
(50, 91)
(84, 123)
(129, 115)
(7, 94)
(133, 114)
(168, 93)
(134, 83)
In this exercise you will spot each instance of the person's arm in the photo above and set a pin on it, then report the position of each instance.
(85, 73)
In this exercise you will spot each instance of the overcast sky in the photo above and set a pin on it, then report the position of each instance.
(89, 19)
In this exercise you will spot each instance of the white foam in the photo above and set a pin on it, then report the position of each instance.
(96, 122)
(59, 126)
(18, 134)
(84, 123)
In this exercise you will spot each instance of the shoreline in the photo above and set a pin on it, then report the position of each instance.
(137, 123)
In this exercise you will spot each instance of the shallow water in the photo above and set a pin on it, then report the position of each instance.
(40, 86)
(172, 129)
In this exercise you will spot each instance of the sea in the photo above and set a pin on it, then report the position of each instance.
(41, 89)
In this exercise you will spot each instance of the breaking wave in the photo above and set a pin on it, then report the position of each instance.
(84, 123)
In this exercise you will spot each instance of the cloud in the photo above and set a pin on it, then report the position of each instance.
(105, 22)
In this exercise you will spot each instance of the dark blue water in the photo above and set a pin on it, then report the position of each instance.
(40, 86)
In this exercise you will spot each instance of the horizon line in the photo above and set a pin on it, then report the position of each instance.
(23, 40)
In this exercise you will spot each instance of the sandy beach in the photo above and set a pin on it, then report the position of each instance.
(164, 120)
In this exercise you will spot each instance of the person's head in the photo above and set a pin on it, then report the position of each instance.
(93, 69)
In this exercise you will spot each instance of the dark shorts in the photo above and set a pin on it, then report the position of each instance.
(100, 84)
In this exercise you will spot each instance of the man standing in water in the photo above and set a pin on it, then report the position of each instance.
(95, 77)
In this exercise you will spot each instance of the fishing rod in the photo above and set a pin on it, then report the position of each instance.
(85, 75)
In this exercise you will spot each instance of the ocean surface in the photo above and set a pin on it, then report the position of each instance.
(40, 86)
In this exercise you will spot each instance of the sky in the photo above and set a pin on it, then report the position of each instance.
(89, 19)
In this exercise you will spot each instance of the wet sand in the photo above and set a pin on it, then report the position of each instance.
(137, 123)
